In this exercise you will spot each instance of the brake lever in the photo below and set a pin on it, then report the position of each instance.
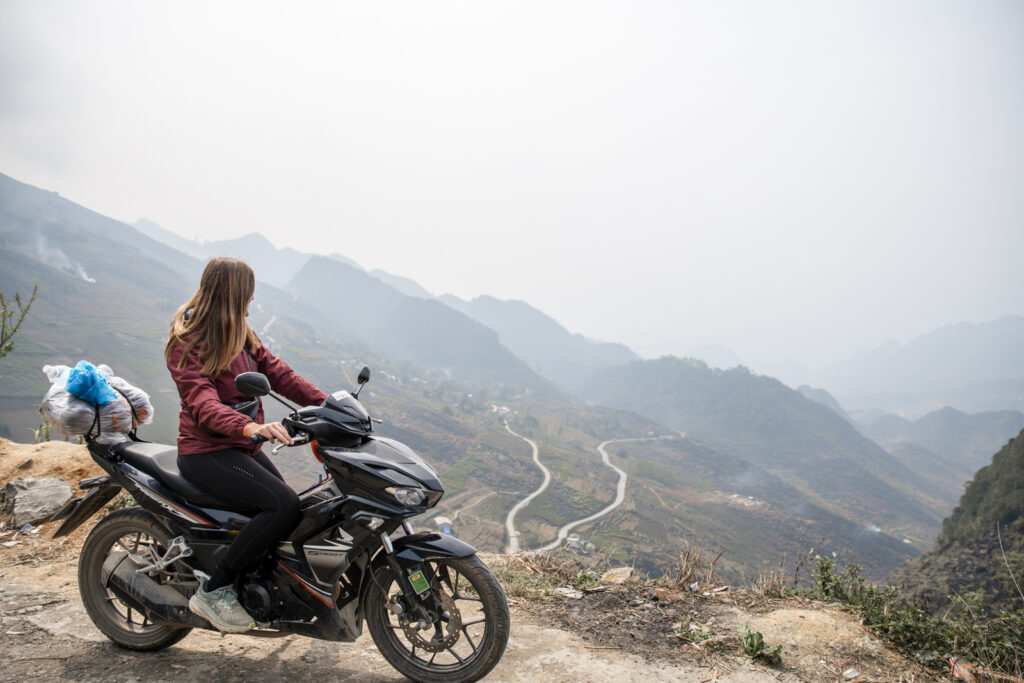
(295, 442)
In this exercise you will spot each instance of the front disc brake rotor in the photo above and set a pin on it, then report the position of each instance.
(440, 641)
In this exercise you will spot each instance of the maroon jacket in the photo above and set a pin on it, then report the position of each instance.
(205, 398)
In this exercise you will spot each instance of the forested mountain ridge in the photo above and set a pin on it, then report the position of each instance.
(824, 398)
(964, 441)
(973, 367)
(550, 349)
(982, 541)
(422, 331)
(770, 425)
(547, 348)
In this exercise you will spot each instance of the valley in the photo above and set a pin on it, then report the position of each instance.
(762, 475)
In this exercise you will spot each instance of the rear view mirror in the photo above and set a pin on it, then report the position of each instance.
(252, 384)
(364, 375)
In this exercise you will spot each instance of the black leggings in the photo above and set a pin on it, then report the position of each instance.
(250, 482)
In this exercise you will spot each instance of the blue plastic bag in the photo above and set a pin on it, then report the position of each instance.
(89, 384)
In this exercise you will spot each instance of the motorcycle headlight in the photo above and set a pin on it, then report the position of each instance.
(406, 495)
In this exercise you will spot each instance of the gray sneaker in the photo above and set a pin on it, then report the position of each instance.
(221, 608)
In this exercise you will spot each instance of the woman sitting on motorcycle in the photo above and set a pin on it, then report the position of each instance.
(209, 344)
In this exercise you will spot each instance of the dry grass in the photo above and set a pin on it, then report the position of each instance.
(692, 567)
(537, 575)
(770, 583)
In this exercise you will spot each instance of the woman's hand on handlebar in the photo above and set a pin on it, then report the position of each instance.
(272, 431)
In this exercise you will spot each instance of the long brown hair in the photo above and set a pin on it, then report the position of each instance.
(216, 325)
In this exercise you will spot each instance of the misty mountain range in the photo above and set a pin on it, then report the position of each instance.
(974, 367)
(444, 355)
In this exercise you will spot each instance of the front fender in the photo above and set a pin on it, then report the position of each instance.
(417, 548)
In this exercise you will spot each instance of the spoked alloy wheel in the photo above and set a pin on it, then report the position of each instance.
(132, 531)
(468, 636)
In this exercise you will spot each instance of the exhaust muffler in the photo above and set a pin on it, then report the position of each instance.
(159, 602)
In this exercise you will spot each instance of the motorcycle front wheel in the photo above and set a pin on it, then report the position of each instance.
(468, 635)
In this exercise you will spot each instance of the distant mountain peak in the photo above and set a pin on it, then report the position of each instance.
(716, 356)
(972, 366)
(255, 238)
(540, 340)
(403, 284)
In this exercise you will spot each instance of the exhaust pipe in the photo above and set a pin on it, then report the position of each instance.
(159, 602)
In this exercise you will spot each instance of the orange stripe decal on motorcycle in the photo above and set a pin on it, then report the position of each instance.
(305, 585)
(176, 508)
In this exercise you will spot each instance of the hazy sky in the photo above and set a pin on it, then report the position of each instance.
(787, 179)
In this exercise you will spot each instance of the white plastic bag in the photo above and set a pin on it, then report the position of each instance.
(71, 416)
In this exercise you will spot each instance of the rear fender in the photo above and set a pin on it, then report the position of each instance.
(101, 491)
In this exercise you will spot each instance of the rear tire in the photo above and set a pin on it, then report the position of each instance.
(480, 614)
(136, 531)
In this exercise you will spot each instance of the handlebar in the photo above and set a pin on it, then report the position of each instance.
(293, 431)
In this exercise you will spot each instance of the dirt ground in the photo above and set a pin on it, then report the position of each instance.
(45, 633)
(621, 633)
(820, 642)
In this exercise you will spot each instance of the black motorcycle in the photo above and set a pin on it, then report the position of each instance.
(433, 608)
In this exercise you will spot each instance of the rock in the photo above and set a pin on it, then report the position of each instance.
(618, 575)
(33, 500)
(570, 593)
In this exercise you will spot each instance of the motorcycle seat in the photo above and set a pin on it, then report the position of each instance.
(161, 462)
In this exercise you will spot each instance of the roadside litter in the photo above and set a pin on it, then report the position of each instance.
(961, 670)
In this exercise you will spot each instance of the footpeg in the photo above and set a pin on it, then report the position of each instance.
(176, 551)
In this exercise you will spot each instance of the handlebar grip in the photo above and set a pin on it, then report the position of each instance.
(292, 428)
(256, 438)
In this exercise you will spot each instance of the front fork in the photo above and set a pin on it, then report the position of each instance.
(421, 603)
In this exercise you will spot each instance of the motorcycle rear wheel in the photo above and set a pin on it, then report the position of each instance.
(476, 617)
(130, 530)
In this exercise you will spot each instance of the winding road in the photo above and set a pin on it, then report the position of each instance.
(620, 494)
(510, 529)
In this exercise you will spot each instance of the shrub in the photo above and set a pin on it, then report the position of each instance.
(995, 642)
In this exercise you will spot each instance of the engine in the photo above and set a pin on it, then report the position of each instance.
(261, 599)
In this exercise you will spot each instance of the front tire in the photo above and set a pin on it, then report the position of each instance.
(131, 530)
(466, 641)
